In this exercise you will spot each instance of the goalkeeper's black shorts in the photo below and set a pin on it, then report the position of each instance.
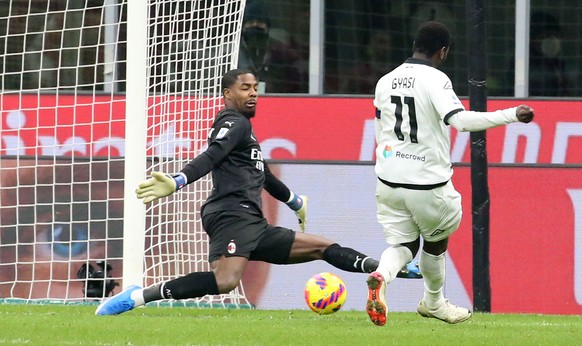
(235, 233)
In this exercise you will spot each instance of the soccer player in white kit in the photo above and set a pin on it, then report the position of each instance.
(415, 196)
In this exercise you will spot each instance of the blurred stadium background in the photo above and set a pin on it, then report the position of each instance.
(359, 36)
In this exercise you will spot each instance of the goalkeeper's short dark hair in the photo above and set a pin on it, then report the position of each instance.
(431, 37)
(229, 78)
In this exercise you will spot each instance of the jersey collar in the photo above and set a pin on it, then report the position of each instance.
(418, 61)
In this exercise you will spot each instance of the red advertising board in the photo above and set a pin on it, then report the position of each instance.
(343, 129)
(535, 243)
(300, 128)
(60, 125)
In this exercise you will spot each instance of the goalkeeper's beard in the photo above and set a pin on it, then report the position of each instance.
(248, 112)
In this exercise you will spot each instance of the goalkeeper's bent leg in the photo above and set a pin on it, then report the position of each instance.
(348, 259)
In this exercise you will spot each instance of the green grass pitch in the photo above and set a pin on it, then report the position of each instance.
(77, 325)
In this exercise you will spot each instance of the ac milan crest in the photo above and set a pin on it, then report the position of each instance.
(231, 248)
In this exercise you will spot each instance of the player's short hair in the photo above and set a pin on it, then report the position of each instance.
(431, 37)
(229, 78)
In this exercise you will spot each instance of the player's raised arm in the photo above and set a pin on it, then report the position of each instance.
(479, 121)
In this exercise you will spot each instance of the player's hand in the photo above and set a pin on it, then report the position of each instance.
(524, 113)
(159, 185)
(302, 213)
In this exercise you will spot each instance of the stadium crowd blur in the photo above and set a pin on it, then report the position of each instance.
(273, 55)
(548, 71)
(360, 38)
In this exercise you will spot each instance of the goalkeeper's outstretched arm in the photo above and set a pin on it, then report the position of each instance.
(161, 184)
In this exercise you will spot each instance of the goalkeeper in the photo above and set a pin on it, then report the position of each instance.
(232, 215)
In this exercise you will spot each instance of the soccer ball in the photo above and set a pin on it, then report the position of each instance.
(325, 293)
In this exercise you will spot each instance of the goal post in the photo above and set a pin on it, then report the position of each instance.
(94, 97)
(135, 142)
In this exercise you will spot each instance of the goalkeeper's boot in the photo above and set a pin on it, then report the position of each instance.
(119, 303)
(410, 271)
(376, 305)
(447, 312)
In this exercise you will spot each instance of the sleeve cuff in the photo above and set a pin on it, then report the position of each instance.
(180, 180)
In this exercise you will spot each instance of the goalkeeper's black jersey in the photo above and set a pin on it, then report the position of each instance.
(239, 172)
(238, 167)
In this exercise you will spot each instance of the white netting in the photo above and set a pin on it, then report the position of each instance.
(61, 148)
(62, 145)
(191, 45)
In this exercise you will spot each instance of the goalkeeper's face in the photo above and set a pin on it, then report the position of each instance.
(242, 95)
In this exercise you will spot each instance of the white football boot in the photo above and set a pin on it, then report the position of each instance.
(447, 312)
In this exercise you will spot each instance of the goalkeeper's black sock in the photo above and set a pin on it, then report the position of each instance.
(349, 259)
(152, 293)
(193, 285)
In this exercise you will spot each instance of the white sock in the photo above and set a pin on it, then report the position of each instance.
(392, 261)
(137, 297)
(433, 270)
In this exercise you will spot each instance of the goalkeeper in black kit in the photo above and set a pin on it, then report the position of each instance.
(232, 215)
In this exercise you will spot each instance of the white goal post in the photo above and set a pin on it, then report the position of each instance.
(95, 95)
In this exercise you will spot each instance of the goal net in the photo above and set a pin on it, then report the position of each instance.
(95, 95)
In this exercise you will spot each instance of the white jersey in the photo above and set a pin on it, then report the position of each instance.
(412, 104)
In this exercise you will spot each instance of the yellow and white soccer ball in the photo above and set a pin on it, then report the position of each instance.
(325, 293)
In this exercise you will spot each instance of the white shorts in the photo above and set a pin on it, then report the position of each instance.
(408, 214)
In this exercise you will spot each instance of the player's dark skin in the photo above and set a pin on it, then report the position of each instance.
(524, 114)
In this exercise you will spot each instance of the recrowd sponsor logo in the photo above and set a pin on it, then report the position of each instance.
(388, 153)
(406, 156)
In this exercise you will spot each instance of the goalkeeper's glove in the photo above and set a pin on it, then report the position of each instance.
(299, 205)
(159, 185)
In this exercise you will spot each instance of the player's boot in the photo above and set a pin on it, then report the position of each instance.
(119, 303)
(447, 312)
(376, 305)
(410, 271)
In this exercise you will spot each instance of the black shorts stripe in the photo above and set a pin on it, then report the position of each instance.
(413, 186)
